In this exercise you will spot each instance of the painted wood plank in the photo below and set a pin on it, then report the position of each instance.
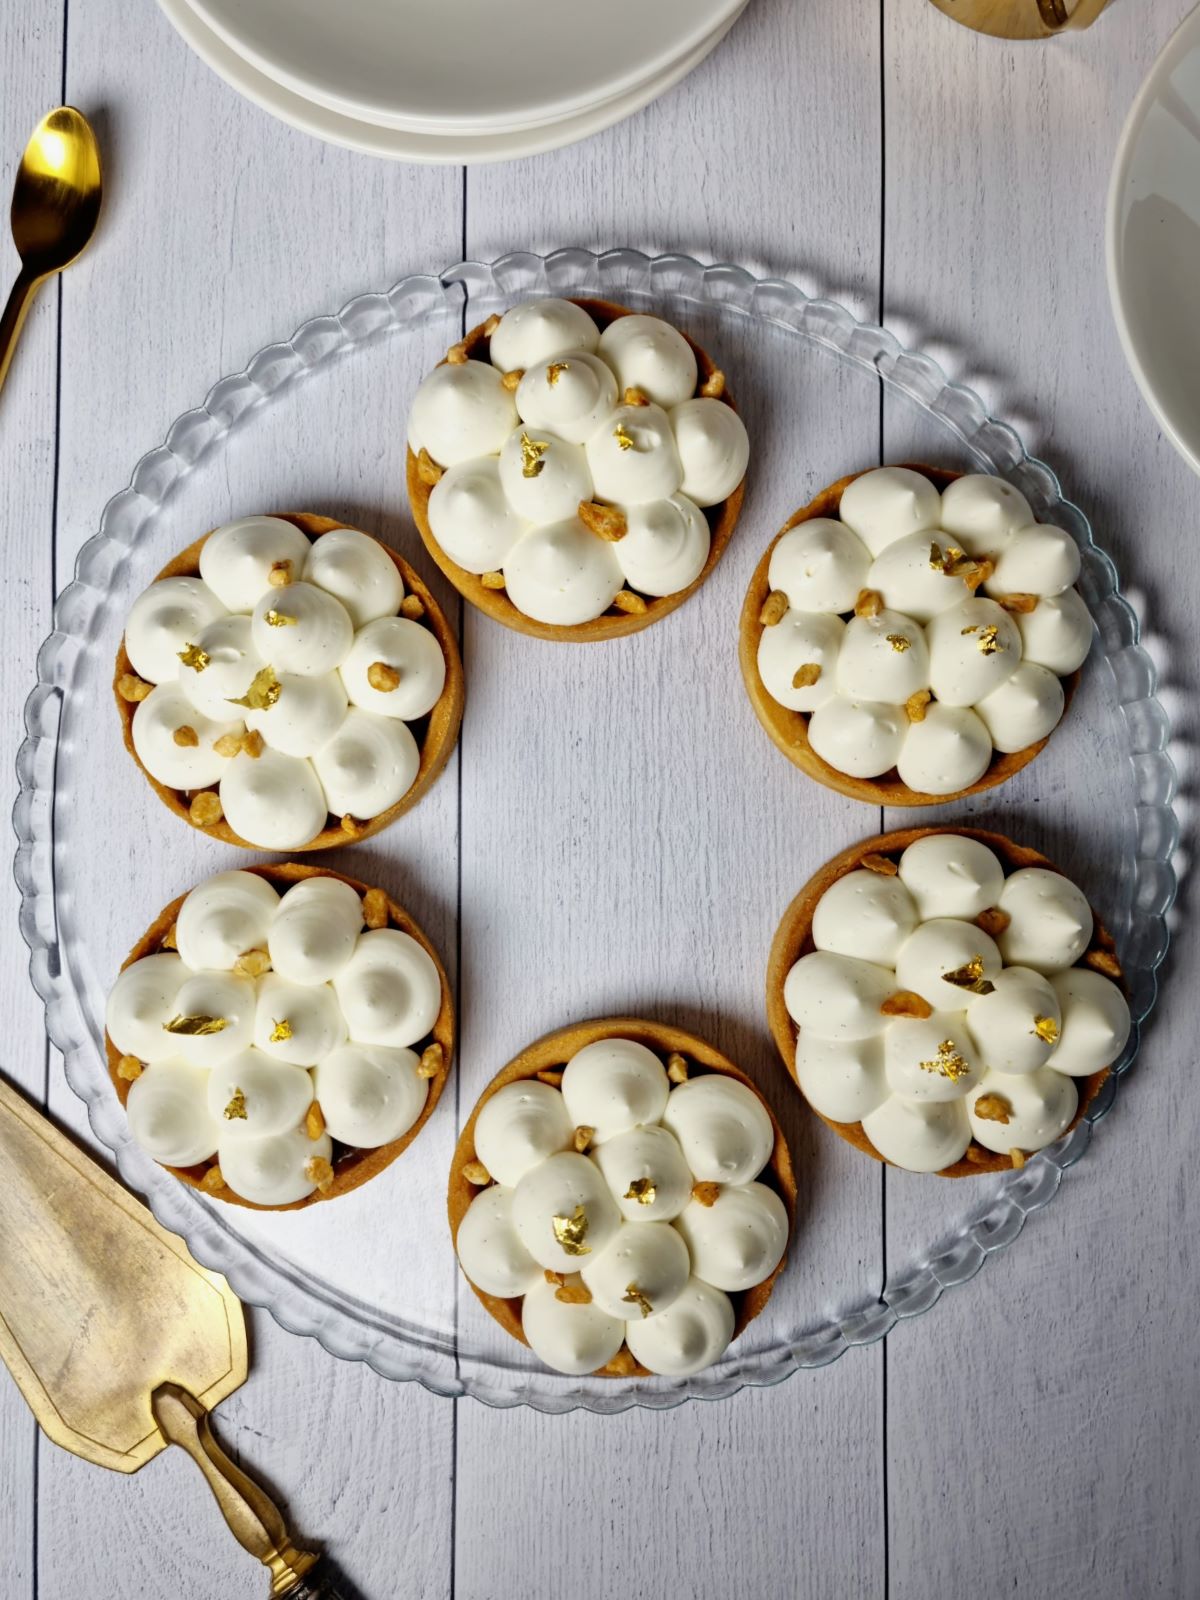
(632, 842)
(1058, 1385)
(31, 49)
(224, 231)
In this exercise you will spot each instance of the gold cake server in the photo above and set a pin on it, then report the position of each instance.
(119, 1341)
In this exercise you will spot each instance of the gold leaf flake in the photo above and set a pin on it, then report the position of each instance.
(970, 977)
(571, 1232)
(988, 642)
(947, 1063)
(532, 451)
(192, 656)
(235, 1111)
(196, 1027)
(623, 437)
(942, 560)
(279, 619)
(643, 1190)
(633, 1296)
(899, 642)
(263, 692)
(1046, 1029)
(281, 1032)
(555, 371)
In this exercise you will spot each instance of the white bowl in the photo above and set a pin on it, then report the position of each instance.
(1153, 239)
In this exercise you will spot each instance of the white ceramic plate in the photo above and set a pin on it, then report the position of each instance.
(1154, 239)
(462, 65)
(401, 145)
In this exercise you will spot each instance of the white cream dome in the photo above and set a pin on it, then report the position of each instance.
(285, 677)
(274, 1002)
(622, 1206)
(964, 625)
(951, 1033)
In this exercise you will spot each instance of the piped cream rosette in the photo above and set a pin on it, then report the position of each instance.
(288, 683)
(946, 1000)
(575, 469)
(280, 1035)
(913, 635)
(621, 1200)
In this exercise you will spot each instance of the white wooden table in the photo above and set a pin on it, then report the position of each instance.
(1036, 1434)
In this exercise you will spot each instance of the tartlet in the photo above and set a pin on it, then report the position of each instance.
(630, 609)
(432, 1051)
(972, 726)
(874, 928)
(686, 1058)
(434, 730)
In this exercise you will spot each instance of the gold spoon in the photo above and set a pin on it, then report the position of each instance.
(55, 204)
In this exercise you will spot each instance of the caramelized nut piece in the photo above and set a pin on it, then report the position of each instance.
(412, 607)
(314, 1121)
(492, 580)
(1021, 603)
(132, 688)
(476, 1173)
(457, 356)
(169, 941)
(677, 1067)
(510, 380)
(774, 608)
(552, 1077)
(606, 522)
(351, 826)
(205, 810)
(554, 1277)
(804, 677)
(1017, 1157)
(869, 603)
(993, 921)
(575, 1293)
(129, 1069)
(914, 706)
(583, 1137)
(632, 604)
(252, 963)
(713, 386)
(433, 1059)
(383, 677)
(706, 1194)
(280, 574)
(375, 908)
(186, 736)
(635, 397)
(490, 326)
(883, 865)
(993, 1108)
(213, 1180)
(229, 744)
(904, 1003)
(1105, 962)
(977, 1155)
(428, 471)
(319, 1172)
(253, 743)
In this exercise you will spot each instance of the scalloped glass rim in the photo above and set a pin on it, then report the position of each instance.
(614, 274)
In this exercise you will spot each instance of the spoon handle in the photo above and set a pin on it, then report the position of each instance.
(13, 318)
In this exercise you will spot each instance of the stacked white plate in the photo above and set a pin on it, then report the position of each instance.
(451, 80)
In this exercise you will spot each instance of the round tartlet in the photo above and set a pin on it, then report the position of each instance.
(544, 1061)
(630, 610)
(789, 729)
(880, 856)
(435, 731)
(351, 1165)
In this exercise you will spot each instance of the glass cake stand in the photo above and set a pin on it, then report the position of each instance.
(373, 1277)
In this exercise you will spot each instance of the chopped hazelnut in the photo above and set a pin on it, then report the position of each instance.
(457, 355)
(132, 688)
(632, 604)
(490, 326)
(280, 574)
(804, 677)
(713, 386)
(869, 603)
(993, 1108)
(319, 1172)
(677, 1067)
(252, 963)
(477, 1174)
(635, 397)
(253, 743)
(213, 1180)
(428, 471)
(1105, 962)
(904, 1003)
(774, 608)
(706, 1194)
(583, 1137)
(606, 522)
(351, 826)
(186, 736)
(575, 1293)
(412, 607)
(993, 921)
(375, 908)
(314, 1121)
(382, 676)
(169, 939)
(916, 704)
(552, 1077)
(129, 1069)
(229, 744)
(433, 1059)
(883, 865)
(205, 810)
(1022, 604)
(492, 580)
(512, 379)
(1017, 1157)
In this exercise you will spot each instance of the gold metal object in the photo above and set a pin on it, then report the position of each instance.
(120, 1343)
(1023, 19)
(55, 206)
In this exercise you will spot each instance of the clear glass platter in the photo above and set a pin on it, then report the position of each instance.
(373, 1276)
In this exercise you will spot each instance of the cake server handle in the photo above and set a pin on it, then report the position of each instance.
(253, 1517)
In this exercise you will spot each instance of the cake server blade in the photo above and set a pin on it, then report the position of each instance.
(119, 1341)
